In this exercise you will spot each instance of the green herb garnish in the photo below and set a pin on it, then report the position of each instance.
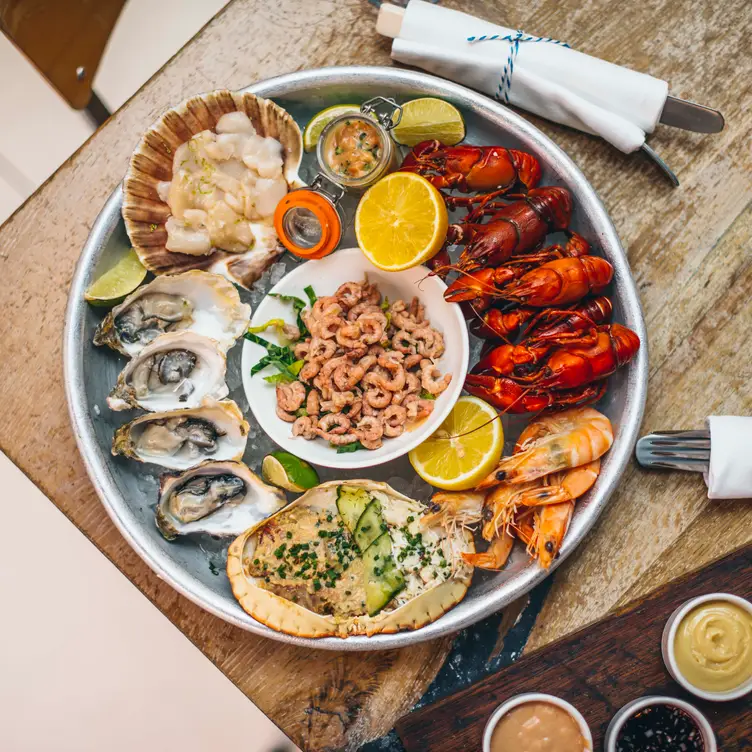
(347, 448)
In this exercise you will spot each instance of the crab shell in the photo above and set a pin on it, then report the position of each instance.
(225, 415)
(259, 502)
(217, 310)
(208, 377)
(145, 214)
(291, 618)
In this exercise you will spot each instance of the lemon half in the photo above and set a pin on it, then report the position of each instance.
(464, 450)
(401, 221)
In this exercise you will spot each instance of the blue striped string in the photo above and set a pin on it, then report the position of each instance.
(505, 82)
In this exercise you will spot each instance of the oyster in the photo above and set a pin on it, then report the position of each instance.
(222, 213)
(218, 498)
(196, 301)
(177, 370)
(181, 439)
(415, 575)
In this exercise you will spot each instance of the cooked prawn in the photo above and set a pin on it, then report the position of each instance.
(556, 442)
(497, 554)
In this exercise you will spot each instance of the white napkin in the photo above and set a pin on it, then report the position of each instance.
(730, 474)
(547, 78)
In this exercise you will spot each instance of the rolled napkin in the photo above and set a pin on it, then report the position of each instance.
(538, 74)
(730, 473)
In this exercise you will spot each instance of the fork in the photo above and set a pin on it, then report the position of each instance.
(675, 450)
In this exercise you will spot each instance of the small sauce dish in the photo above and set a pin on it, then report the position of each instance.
(534, 697)
(632, 708)
(713, 634)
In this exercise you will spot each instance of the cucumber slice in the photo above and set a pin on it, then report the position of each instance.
(383, 578)
(370, 525)
(351, 503)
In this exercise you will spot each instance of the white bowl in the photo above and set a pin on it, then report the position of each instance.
(518, 700)
(621, 717)
(325, 276)
(669, 637)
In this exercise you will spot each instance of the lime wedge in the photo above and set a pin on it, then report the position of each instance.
(117, 282)
(321, 119)
(289, 472)
(429, 118)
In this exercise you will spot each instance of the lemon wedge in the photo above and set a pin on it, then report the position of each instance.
(117, 282)
(429, 118)
(401, 221)
(464, 450)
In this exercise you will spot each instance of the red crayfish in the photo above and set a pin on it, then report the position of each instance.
(481, 286)
(540, 373)
(473, 168)
(512, 230)
(547, 325)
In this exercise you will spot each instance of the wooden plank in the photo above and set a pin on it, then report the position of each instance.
(685, 247)
(598, 670)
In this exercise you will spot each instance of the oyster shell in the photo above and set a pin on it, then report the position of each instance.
(182, 439)
(177, 370)
(423, 600)
(146, 213)
(196, 301)
(218, 498)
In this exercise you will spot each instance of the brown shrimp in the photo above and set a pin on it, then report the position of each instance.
(392, 362)
(370, 432)
(290, 396)
(429, 380)
(305, 428)
(393, 420)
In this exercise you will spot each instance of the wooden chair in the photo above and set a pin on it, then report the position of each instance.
(64, 40)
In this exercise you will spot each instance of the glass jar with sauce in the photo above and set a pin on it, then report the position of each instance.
(535, 722)
(356, 150)
(707, 646)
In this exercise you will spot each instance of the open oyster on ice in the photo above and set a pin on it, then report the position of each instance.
(177, 370)
(181, 439)
(350, 558)
(203, 184)
(218, 498)
(196, 301)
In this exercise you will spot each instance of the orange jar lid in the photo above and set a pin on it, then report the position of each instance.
(308, 224)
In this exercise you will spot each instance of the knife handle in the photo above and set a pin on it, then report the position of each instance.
(389, 20)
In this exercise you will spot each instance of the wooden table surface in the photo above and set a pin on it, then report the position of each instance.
(689, 251)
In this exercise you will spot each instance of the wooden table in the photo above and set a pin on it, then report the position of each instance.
(689, 250)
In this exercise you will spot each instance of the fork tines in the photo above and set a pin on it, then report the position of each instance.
(675, 450)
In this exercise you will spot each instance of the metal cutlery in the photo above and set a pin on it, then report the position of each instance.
(675, 450)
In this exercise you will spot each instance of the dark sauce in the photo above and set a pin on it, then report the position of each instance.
(660, 728)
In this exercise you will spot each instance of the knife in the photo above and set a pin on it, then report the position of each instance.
(679, 113)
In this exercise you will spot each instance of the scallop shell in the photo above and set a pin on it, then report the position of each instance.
(259, 502)
(208, 377)
(225, 415)
(284, 615)
(218, 312)
(145, 214)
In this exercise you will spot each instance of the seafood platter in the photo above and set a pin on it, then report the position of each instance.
(353, 356)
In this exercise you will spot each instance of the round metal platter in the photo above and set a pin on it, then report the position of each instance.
(195, 566)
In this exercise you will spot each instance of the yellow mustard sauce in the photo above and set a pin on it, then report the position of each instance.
(353, 149)
(713, 646)
(537, 727)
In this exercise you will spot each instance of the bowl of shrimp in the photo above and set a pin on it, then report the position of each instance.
(371, 366)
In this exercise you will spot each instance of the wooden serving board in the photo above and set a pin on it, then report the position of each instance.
(598, 669)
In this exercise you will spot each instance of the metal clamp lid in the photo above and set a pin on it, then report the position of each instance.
(387, 119)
